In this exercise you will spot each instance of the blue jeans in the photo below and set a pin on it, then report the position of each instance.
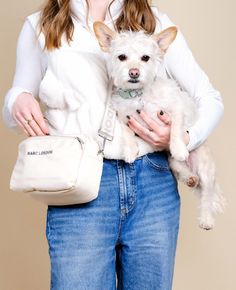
(130, 230)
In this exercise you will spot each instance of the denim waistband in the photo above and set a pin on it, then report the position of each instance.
(160, 154)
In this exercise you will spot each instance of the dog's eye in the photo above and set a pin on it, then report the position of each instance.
(145, 58)
(122, 57)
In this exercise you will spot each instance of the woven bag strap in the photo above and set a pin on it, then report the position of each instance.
(107, 128)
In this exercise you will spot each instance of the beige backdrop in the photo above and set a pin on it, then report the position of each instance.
(205, 260)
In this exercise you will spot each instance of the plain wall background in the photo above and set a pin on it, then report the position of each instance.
(205, 260)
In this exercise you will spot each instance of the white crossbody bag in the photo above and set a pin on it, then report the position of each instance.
(62, 170)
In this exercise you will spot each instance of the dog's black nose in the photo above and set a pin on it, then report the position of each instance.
(134, 73)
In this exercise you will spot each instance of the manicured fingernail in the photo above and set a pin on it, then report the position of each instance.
(138, 111)
(161, 113)
(128, 117)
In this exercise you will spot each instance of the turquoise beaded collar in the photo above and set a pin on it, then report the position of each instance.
(129, 93)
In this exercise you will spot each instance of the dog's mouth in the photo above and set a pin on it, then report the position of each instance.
(133, 81)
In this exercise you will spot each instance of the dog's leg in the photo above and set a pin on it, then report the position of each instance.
(178, 148)
(130, 149)
(211, 200)
(183, 172)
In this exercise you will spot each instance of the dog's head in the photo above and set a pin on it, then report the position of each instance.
(135, 56)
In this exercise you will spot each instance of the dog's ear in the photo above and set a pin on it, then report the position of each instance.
(104, 35)
(165, 37)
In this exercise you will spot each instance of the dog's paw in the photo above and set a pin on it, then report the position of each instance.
(130, 153)
(129, 157)
(206, 222)
(192, 181)
(179, 151)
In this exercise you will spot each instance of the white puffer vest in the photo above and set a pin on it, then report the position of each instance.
(74, 90)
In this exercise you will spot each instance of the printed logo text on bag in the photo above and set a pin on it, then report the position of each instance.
(46, 152)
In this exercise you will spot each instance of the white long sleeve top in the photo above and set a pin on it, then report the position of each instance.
(179, 63)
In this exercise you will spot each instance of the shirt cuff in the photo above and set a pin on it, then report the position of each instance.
(194, 141)
(10, 98)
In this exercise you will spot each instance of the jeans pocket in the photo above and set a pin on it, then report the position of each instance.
(158, 160)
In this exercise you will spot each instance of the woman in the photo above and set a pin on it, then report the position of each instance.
(131, 228)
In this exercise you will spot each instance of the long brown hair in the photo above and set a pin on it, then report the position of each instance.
(136, 15)
(56, 19)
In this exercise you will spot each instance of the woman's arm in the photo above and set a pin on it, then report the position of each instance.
(20, 102)
(181, 66)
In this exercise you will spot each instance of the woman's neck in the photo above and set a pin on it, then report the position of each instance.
(98, 9)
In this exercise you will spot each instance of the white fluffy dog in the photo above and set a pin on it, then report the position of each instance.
(135, 58)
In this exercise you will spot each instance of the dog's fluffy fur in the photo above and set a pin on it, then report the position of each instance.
(127, 51)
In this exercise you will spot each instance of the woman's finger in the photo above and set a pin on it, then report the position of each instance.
(140, 132)
(31, 123)
(21, 121)
(22, 128)
(156, 134)
(164, 117)
(40, 121)
(35, 127)
(152, 124)
(132, 121)
(148, 135)
(27, 111)
(152, 132)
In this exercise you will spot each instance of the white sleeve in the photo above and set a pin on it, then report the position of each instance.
(181, 66)
(30, 68)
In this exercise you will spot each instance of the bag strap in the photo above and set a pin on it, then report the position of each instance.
(107, 128)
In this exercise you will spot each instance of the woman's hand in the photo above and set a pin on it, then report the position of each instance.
(158, 133)
(28, 115)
